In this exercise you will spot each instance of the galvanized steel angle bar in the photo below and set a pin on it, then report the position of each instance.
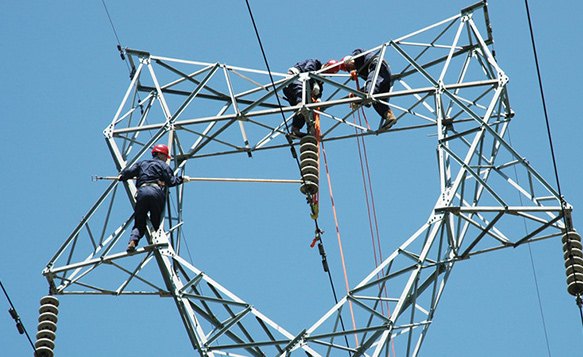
(368, 309)
(74, 278)
(198, 143)
(486, 52)
(431, 280)
(499, 138)
(384, 278)
(534, 218)
(380, 58)
(468, 169)
(226, 325)
(339, 121)
(73, 236)
(393, 256)
(450, 22)
(191, 96)
(87, 286)
(274, 132)
(540, 229)
(420, 99)
(476, 211)
(159, 94)
(529, 195)
(210, 281)
(89, 261)
(417, 67)
(132, 85)
(210, 138)
(129, 140)
(485, 230)
(119, 159)
(135, 275)
(219, 300)
(190, 77)
(413, 279)
(269, 94)
(260, 87)
(490, 231)
(239, 115)
(173, 284)
(470, 102)
(451, 52)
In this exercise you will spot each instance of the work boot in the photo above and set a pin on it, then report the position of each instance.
(131, 246)
(389, 120)
(295, 132)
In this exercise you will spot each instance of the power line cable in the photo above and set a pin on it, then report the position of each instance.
(542, 94)
(532, 263)
(119, 48)
(131, 69)
(318, 231)
(266, 62)
(567, 224)
(14, 314)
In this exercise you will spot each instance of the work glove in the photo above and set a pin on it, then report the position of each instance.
(185, 179)
(316, 90)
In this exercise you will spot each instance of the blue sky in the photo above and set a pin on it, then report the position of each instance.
(62, 81)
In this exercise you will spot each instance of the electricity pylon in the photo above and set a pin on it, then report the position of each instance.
(445, 79)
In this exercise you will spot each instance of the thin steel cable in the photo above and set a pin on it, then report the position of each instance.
(290, 142)
(19, 321)
(533, 265)
(542, 94)
(121, 52)
(578, 297)
(115, 34)
(266, 62)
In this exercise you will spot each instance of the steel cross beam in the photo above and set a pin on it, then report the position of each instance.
(445, 79)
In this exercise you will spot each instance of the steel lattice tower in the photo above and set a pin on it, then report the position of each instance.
(445, 79)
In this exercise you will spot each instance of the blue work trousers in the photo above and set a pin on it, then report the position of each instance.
(150, 199)
(382, 85)
(293, 94)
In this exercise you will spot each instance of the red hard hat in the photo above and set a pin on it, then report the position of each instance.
(163, 149)
(333, 70)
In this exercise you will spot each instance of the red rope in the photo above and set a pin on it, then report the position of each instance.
(367, 183)
(339, 240)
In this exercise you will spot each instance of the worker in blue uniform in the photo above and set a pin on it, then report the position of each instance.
(293, 92)
(365, 67)
(152, 178)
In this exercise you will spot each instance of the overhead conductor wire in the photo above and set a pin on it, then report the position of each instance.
(119, 48)
(14, 314)
(567, 225)
(294, 154)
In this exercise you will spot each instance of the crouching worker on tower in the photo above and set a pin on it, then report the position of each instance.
(365, 67)
(293, 92)
(152, 178)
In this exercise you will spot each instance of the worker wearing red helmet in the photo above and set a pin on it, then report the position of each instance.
(152, 177)
(365, 66)
(293, 92)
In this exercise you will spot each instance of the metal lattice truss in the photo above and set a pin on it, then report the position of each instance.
(445, 79)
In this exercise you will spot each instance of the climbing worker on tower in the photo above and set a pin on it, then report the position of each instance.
(152, 177)
(293, 92)
(365, 67)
